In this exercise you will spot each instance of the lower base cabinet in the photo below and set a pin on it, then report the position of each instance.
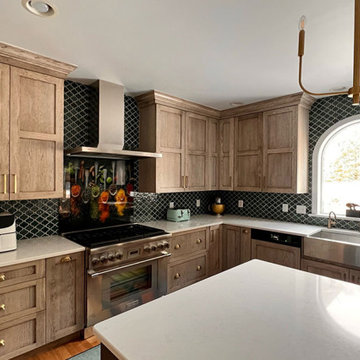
(215, 250)
(329, 270)
(40, 301)
(276, 253)
(236, 246)
(22, 335)
(64, 295)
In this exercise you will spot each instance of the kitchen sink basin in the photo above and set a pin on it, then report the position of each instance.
(337, 235)
(342, 247)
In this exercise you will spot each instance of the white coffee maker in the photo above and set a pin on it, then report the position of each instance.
(7, 232)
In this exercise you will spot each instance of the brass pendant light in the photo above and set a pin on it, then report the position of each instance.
(354, 91)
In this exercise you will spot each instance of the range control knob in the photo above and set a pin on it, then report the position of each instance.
(111, 257)
(160, 246)
(119, 255)
(153, 247)
(147, 248)
(166, 244)
(103, 259)
(95, 261)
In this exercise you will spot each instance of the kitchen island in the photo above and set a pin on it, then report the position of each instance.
(254, 311)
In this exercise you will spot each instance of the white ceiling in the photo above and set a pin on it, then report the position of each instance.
(213, 52)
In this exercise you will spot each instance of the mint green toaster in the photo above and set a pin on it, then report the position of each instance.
(178, 215)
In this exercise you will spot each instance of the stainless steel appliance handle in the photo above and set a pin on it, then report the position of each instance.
(92, 273)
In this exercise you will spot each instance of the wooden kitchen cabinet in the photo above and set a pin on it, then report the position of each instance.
(213, 142)
(196, 152)
(186, 135)
(215, 250)
(329, 270)
(4, 131)
(64, 295)
(226, 155)
(248, 153)
(31, 125)
(355, 276)
(276, 253)
(236, 246)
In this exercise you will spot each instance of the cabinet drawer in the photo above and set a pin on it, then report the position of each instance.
(22, 335)
(16, 274)
(22, 299)
(188, 243)
(186, 273)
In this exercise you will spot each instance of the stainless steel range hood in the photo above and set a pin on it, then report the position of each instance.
(111, 128)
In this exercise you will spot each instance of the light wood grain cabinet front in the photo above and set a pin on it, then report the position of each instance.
(188, 242)
(213, 142)
(4, 131)
(355, 276)
(187, 272)
(64, 295)
(31, 134)
(248, 153)
(215, 250)
(15, 274)
(236, 246)
(329, 270)
(276, 253)
(226, 156)
(22, 299)
(22, 335)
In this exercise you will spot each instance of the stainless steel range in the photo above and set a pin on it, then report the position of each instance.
(126, 267)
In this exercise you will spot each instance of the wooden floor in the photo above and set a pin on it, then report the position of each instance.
(67, 350)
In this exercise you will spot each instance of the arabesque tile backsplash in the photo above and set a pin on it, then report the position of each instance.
(40, 217)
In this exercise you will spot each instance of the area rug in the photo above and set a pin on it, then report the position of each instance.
(91, 354)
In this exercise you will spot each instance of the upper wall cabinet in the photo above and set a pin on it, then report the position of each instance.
(31, 125)
(187, 136)
(271, 145)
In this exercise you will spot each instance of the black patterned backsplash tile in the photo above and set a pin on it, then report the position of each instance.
(40, 217)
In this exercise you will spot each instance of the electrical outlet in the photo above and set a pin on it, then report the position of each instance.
(285, 207)
(171, 205)
(300, 209)
(240, 203)
(198, 203)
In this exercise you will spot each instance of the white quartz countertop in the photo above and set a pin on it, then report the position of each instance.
(254, 223)
(39, 248)
(254, 311)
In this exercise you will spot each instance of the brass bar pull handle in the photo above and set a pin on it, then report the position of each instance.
(2, 277)
(198, 268)
(186, 181)
(230, 178)
(177, 276)
(245, 231)
(5, 184)
(15, 184)
(2, 307)
(2, 342)
(66, 259)
(183, 178)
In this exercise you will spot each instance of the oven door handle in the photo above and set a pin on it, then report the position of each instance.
(92, 273)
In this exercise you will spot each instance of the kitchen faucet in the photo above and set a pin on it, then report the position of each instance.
(331, 220)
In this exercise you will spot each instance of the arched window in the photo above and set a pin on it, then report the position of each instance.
(336, 168)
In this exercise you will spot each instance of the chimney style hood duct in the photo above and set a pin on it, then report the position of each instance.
(111, 128)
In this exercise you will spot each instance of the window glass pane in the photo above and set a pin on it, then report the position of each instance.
(340, 170)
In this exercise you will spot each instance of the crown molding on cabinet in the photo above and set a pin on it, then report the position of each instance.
(157, 97)
(25, 59)
(300, 98)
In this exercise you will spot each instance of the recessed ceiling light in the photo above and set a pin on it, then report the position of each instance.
(39, 7)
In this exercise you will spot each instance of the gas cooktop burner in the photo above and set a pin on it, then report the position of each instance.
(112, 235)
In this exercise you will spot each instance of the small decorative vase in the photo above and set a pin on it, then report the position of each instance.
(218, 208)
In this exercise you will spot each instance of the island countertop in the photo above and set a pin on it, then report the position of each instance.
(254, 311)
